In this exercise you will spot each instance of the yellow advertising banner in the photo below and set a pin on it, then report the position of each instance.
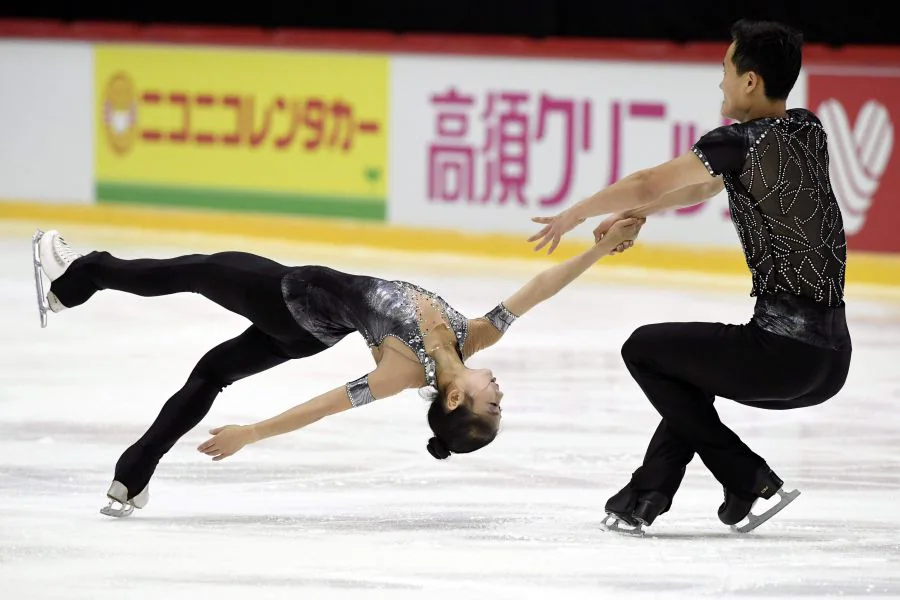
(242, 129)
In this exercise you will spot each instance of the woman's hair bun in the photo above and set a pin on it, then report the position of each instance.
(437, 448)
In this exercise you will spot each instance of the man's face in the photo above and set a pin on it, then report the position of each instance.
(734, 88)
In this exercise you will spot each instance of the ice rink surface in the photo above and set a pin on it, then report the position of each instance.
(354, 507)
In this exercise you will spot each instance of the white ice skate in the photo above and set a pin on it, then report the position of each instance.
(52, 256)
(753, 521)
(119, 505)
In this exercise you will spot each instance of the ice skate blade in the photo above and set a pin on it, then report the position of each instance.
(754, 521)
(117, 509)
(43, 306)
(613, 524)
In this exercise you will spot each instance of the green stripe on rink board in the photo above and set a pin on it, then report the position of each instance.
(241, 200)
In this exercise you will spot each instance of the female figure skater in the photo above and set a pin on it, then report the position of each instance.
(416, 339)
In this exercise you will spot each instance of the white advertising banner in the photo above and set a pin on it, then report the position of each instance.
(483, 145)
(46, 148)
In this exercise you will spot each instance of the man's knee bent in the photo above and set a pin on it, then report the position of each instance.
(640, 344)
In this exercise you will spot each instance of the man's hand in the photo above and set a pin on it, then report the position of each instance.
(620, 231)
(555, 228)
(604, 227)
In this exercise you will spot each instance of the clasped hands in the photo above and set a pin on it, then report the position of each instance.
(617, 229)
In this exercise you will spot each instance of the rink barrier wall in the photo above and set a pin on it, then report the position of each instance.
(635, 128)
(410, 43)
(46, 131)
(530, 139)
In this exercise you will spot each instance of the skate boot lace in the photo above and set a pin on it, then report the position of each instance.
(65, 252)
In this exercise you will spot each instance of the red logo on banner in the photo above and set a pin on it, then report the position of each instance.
(858, 113)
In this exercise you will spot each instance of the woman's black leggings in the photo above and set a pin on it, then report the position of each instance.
(245, 284)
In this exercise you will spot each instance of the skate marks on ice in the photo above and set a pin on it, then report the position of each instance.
(355, 508)
(394, 546)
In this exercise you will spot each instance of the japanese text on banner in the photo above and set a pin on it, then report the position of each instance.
(288, 132)
(482, 149)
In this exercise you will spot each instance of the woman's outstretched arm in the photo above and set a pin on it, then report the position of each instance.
(383, 382)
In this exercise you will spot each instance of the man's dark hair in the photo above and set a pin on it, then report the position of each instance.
(771, 50)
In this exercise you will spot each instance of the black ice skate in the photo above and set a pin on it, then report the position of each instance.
(51, 255)
(628, 511)
(120, 505)
(736, 507)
